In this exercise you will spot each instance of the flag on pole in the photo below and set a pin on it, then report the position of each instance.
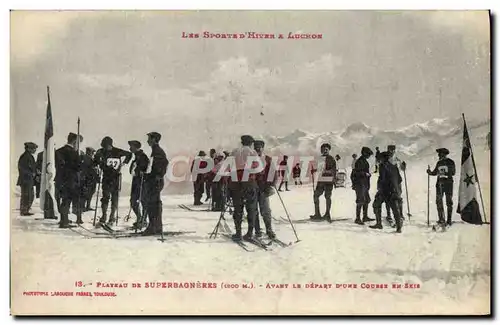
(47, 190)
(468, 206)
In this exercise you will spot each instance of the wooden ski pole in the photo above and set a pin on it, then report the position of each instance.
(428, 195)
(407, 198)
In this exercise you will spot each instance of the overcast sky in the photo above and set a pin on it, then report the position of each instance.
(128, 73)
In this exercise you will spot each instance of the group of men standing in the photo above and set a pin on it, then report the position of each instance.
(77, 175)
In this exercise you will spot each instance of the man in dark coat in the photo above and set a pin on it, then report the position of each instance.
(67, 173)
(444, 170)
(109, 159)
(137, 169)
(26, 180)
(324, 184)
(153, 185)
(387, 192)
(361, 183)
(199, 183)
(90, 177)
(296, 174)
(38, 177)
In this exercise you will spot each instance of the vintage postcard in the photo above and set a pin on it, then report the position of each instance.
(250, 163)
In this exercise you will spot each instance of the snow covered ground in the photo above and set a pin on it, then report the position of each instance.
(451, 269)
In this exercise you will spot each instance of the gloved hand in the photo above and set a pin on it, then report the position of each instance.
(403, 166)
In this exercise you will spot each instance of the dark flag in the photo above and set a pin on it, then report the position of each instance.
(468, 206)
(47, 190)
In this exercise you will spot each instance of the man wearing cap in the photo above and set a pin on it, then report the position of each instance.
(109, 160)
(444, 170)
(327, 171)
(361, 182)
(26, 166)
(89, 179)
(387, 191)
(400, 165)
(244, 191)
(153, 185)
(137, 169)
(265, 183)
(67, 172)
(199, 183)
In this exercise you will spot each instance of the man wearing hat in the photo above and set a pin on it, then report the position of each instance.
(361, 182)
(67, 171)
(387, 191)
(90, 178)
(109, 160)
(137, 169)
(26, 166)
(444, 170)
(327, 170)
(199, 183)
(244, 191)
(153, 185)
(265, 183)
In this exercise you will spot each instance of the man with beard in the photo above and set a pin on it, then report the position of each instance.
(137, 169)
(89, 178)
(444, 170)
(243, 191)
(109, 159)
(387, 191)
(265, 183)
(68, 168)
(201, 163)
(153, 185)
(361, 183)
(26, 180)
(327, 173)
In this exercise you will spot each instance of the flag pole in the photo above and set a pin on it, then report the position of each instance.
(469, 145)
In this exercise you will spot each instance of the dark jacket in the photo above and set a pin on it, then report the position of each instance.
(27, 169)
(263, 179)
(444, 170)
(139, 164)
(67, 166)
(296, 171)
(110, 162)
(159, 163)
(361, 172)
(389, 180)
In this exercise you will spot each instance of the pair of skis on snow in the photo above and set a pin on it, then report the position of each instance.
(185, 207)
(257, 242)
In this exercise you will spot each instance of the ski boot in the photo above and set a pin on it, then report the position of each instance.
(271, 234)
(327, 217)
(237, 235)
(377, 226)
(359, 222)
(247, 236)
(258, 234)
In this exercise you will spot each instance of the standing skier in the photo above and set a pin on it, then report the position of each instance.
(444, 170)
(361, 183)
(400, 165)
(153, 185)
(326, 169)
(26, 180)
(137, 169)
(67, 173)
(90, 177)
(377, 159)
(387, 191)
(296, 174)
(218, 188)
(109, 159)
(284, 173)
(265, 184)
(243, 191)
(208, 182)
(199, 183)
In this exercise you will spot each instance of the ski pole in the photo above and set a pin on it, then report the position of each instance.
(140, 220)
(97, 196)
(287, 215)
(118, 199)
(78, 180)
(407, 198)
(428, 195)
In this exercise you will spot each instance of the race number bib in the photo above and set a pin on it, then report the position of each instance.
(443, 171)
(113, 163)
